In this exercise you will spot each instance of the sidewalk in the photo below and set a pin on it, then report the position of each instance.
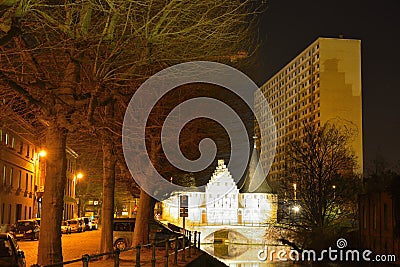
(128, 258)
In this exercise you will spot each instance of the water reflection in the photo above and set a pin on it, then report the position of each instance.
(236, 255)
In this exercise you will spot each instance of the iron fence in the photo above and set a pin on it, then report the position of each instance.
(192, 236)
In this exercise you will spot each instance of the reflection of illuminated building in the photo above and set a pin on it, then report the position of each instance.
(223, 204)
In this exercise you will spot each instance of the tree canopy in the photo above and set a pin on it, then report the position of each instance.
(77, 62)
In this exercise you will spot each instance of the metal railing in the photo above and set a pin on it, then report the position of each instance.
(171, 246)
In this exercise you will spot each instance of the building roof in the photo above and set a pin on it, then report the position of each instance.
(255, 180)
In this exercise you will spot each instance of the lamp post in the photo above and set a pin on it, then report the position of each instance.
(77, 177)
(295, 208)
(334, 192)
(39, 173)
(295, 189)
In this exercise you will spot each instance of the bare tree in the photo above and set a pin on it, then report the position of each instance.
(321, 187)
(70, 58)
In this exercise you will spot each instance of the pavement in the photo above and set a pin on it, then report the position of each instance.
(77, 244)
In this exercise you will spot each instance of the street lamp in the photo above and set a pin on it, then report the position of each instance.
(295, 188)
(334, 191)
(296, 209)
(40, 174)
(77, 177)
(42, 153)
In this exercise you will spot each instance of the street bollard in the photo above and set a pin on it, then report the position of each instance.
(116, 258)
(198, 245)
(153, 255)
(184, 248)
(85, 260)
(190, 243)
(176, 251)
(166, 253)
(195, 239)
(138, 255)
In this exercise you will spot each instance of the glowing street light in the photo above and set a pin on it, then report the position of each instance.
(296, 208)
(42, 153)
(334, 191)
(79, 175)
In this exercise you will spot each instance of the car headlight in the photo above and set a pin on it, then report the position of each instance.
(29, 231)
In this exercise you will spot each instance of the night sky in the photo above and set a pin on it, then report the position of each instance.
(289, 26)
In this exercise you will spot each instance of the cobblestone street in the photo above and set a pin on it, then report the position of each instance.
(77, 244)
(74, 246)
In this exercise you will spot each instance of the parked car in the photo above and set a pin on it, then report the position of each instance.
(123, 232)
(87, 222)
(26, 229)
(10, 254)
(75, 225)
(82, 224)
(65, 228)
(94, 224)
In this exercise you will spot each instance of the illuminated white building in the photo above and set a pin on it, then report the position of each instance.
(223, 204)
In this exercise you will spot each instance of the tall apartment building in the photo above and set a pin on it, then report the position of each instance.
(322, 83)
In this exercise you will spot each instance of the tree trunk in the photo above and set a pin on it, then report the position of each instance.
(109, 161)
(50, 251)
(144, 214)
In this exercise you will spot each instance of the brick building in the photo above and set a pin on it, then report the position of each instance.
(379, 223)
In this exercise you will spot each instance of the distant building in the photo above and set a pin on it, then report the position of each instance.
(19, 169)
(223, 204)
(322, 83)
(379, 222)
(70, 202)
(23, 173)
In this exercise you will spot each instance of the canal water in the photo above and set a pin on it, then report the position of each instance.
(236, 255)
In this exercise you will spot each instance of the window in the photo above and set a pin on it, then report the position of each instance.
(4, 174)
(21, 147)
(18, 212)
(27, 151)
(9, 213)
(7, 139)
(11, 176)
(2, 213)
(26, 181)
(19, 179)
